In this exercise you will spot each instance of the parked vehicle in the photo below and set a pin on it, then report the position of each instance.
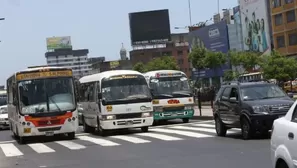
(4, 123)
(251, 106)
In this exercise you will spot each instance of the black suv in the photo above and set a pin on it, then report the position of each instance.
(251, 106)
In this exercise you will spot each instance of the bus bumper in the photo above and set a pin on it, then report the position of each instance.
(127, 123)
(47, 131)
(168, 115)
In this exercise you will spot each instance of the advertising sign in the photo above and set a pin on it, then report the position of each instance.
(215, 38)
(58, 42)
(237, 15)
(149, 27)
(255, 26)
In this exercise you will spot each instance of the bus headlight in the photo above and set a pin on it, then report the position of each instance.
(188, 107)
(158, 109)
(146, 114)
(109, 117)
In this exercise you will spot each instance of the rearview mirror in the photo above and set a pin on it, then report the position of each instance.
(233, 100)
(99, 95)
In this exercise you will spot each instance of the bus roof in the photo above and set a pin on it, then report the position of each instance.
(153, 73)
(40, 68)
(107, 74)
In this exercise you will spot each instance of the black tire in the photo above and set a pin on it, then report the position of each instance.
(86, 127)
(186, 120)
(282, 164)
(71, 136)
(22, 140)
(221, 129)
(100, 130)
(246, 129)
(144, 129)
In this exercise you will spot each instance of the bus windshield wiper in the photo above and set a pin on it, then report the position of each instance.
(49, 98)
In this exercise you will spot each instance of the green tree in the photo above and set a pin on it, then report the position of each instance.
(161, 63)
(249, 60)
(197, 56)
(279, 67)
(139, 67)
(214, 60)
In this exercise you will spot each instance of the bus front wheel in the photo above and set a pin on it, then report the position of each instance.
(71, 135)
(144, 129)
(22, 140)
(186, 120)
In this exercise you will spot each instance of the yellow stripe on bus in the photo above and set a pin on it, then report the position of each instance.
(36, 75)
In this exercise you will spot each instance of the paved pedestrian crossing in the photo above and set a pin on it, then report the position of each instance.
(176, 132)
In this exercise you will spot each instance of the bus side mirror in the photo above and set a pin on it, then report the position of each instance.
(99, 95)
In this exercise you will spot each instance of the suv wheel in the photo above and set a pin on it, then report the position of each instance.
(220, 127)
(246, 129)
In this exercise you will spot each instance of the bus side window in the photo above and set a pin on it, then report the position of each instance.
(91, 92)
(83, 94)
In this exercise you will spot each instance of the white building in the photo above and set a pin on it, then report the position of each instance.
(75, 59)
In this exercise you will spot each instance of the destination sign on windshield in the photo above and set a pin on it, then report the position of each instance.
(124, 77)
(36, 75)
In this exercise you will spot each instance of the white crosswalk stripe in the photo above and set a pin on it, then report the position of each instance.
(164, 133)
(184, 133)
(71, 145)
(130, 139)
(41, 148)
(98, 141)
(10, 150)
(160, 136)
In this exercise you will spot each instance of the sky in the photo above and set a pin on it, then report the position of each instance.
(98, 25)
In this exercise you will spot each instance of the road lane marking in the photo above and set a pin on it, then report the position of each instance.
(159, 136)
(98, 141)
(209, 130)
(41, 148)
(204, 125)
(130, 139)
(184, 133)
(10, 150)
(4, 142)
(71, 145)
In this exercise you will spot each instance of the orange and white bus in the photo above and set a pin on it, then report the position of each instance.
(41, 101)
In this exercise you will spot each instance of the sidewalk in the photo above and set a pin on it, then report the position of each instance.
(206, 113)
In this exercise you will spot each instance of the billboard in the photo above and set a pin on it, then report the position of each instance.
(255, 26)
(58, 42)
(237, 15)
(149, 27)
(215, 38)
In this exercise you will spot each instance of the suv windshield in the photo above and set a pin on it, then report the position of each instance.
(261, 92)
(46, 95)
(170, 87)
(118, 90)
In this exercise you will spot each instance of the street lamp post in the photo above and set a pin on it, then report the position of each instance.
(190, 12)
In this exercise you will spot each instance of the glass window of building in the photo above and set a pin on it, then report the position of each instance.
(291, 16)
(276, 3)
(280, 40)
(293, 39)
(278, 19)
(289, 1)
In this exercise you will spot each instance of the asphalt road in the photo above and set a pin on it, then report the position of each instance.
(192, 145)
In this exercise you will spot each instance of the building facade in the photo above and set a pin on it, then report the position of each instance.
(284, 26)
(77, 60)
(178, 48)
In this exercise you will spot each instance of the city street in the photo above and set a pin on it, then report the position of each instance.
(190, 145)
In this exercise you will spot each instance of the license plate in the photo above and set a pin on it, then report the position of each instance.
(49, 134)
(129, 123)
(27, 130)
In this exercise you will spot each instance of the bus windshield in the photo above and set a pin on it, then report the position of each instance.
(125, 90)
(168, 87)
(46, 95)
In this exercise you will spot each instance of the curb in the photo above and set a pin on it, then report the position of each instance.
(202, 118)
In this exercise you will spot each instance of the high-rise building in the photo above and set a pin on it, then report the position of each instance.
(123, 53)
(284, 26)
(75, 59)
